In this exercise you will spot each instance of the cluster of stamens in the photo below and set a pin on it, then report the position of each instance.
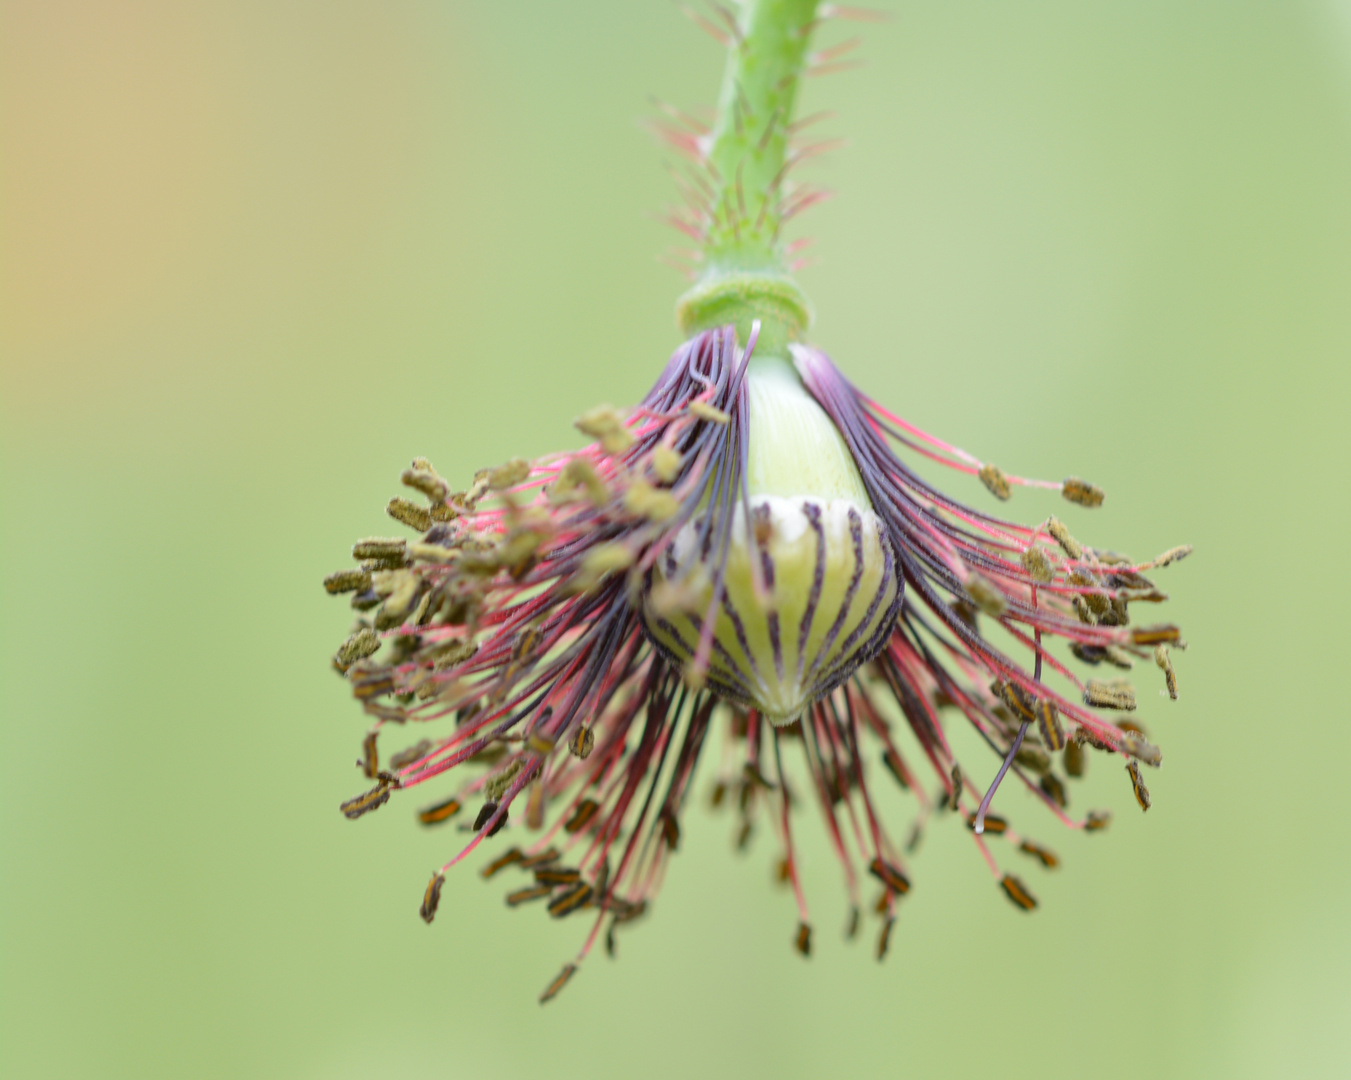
(573, 630)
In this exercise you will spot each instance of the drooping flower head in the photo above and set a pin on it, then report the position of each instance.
(744, 558)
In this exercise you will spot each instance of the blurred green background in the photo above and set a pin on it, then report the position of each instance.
(256, 256)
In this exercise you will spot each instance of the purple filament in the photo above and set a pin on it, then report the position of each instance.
(1008, 760)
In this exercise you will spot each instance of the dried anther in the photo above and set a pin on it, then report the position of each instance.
(439, 812)
(581, 743)
(884, 938)
(431, 898)
(342, 581)
(1082, 492)
(1097, 820)
(1165, 662)
(410, 514)
(363, 804)
(1138, 785)
(378, 547)
(1038, 566)
(360, 645)
(993, 478)
(426, 481)
(1016, 891)
(1068, 544)
(1048, 723)
(1045, 856)
(530, 892)
(551, 991)
(569, 900)
(1109, 695)
(889, 876)
(507, 858)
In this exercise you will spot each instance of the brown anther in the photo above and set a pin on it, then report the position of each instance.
(557, 875)
(1033, 757)
(985, 594)
(540, 744)
(1082, 492)
(992, 476)
(551, 991)
(884, 938)
(1076, 761)
(1016, 891)
(410, 514)
(431, 898)
(366, 802)
(1045, 856)
(1048, 723)
(1170, 556)
(704, 411)
(1054, 789)
(1089, 654)
(1139, 747)
(581, 817)
(568, 901)
(606, 426)
(1097, 820)
(1038, 566)
(889, 875)
(1016, 699)
(1138, 785)
(1118, 657)
(893, 763)
(1170, 676)
(534, 805)
(410, 754)
(365, 642)
(426, 481)
(372, 684)
(485, 815)
(956, 794)
(370, 756)
(1084, 611)
(365, 600)
(439, 812)
(542, 858)
(1156, 635)
(855, 920)
(1068, 544)
(802, 940)
(342, 581)
(1109, 695)
(380, 547)
(670, 830)
(994, 824)
(583, 739)
(530, 892)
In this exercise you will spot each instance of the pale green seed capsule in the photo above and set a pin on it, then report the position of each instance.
(811, 581)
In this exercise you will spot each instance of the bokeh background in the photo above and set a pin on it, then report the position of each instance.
(256, 256)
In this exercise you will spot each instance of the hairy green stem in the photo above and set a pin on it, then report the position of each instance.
(745, 277)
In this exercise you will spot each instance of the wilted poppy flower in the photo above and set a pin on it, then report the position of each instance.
(746, 559)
